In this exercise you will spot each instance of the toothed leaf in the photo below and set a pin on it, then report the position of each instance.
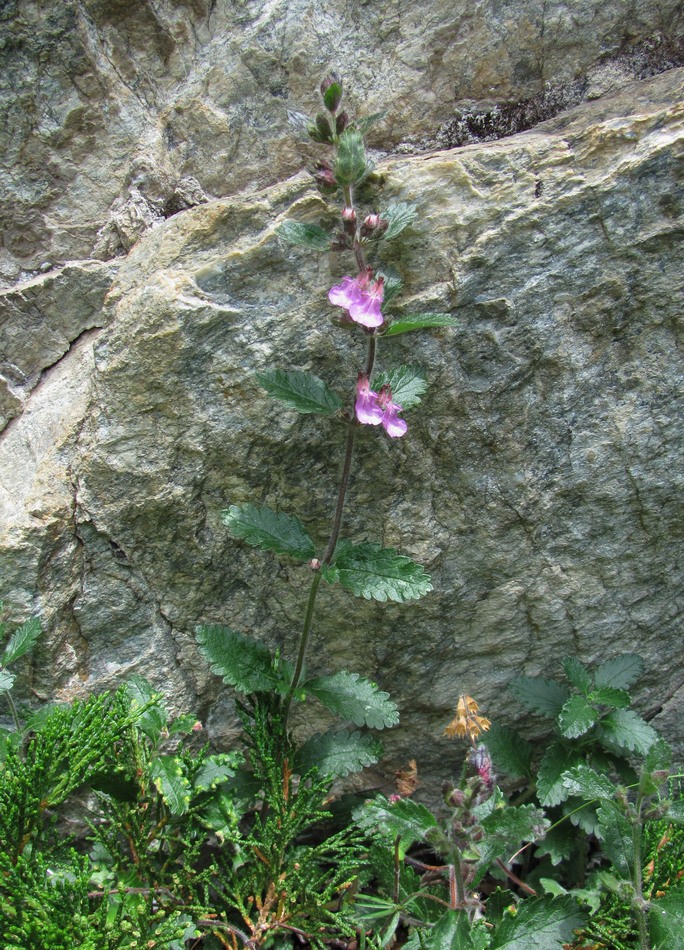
(6, 679)
(350, 164)
(376, 573)
(172, 784)
(420, 321)
(336, 753)
(304, 235)
(243, 663)
(556, 760)
(620, 672)
(576, 717)
(270, 531)
(400, 215)
(545, 923)
(22, 640)
(509, 751)
(407, 384)
(353, 698)
(615, 833)
(625, 730)
(543, 696)
(404, 819)
(583, 782)
(301, 391)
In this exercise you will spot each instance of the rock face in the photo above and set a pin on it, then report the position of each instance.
(539, 482)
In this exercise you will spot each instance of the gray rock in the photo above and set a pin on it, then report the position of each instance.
(539, 482)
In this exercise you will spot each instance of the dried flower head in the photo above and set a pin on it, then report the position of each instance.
(467, 723)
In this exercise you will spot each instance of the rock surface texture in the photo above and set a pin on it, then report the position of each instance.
(540, 481)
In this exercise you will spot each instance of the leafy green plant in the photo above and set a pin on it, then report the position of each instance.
(605, 772)
(19, 643)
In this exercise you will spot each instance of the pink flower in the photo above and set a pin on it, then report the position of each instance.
(361, 297)
(392, 424)
(374, 409)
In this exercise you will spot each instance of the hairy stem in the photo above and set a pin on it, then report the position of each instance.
(640, 905)
(13, 710)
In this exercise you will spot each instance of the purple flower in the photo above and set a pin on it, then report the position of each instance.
(392, 424)
(361, 297)
(374, 409)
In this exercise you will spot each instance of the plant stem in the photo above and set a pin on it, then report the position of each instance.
(640, 905)
(13, 709)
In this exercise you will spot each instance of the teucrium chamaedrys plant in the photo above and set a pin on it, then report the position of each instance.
(367, 569)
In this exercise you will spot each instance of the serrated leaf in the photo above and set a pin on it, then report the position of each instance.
(675, 812)
(350, 166)
(666, 921)
(545, 923)
(509, 751)
(22, 640)
(243, 663)
(505, 829)
(215, 770)
(540, 695)
(407, 384)
(558, 843)
(624, 729)
(368, 121)
(452, 931)
(420, 321)
(6, 679)
(377, 573)
(610, 696)
(221, 815)
(557, 759)
(270, 531)
(173, 786)
(404, 819)
(582, 814)
(583, 782)
(301, 391)
(615, 834)
(182, 725)
(353, 698)
(299, 121)
(578, 674)
(154, 718)
(620, 672)
(393, 284)
(337, 753)
(576, 717)
(304, 235)
(400, 215)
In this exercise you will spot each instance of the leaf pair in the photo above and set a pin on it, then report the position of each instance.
(366, 569)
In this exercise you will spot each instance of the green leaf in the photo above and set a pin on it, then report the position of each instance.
(621, 672)
(609, 696)
(557, 759)
(332, 96)
(182, 725)
(358, 700)
(505, 830)
(301, 391)
(304, 235)
(576, 717)
(153, 719)
(419, 321)
(221, 815)
(393, 284)
(337, 753)
(243, 663)
(215, 770)
(615, 834)
(269, 531)
(509, 751)
(400, 215)
(545, 923)
(350, 165)
(404, 819)
(6, 679)
(578, 674)
(625, 730)
(543, 696)
(368, 121)
(377, 573)
(583, 782)
(407, 384)
(675, 812)
(558, 843)
(452, 931)
(666, 921)
(173, 786)
(22, 640)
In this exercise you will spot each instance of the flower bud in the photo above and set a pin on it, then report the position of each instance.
(373, 225)
(349, 218)
(341, 122)
(315, 564)
(324, 175)
(324, 129)
(331, 90)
